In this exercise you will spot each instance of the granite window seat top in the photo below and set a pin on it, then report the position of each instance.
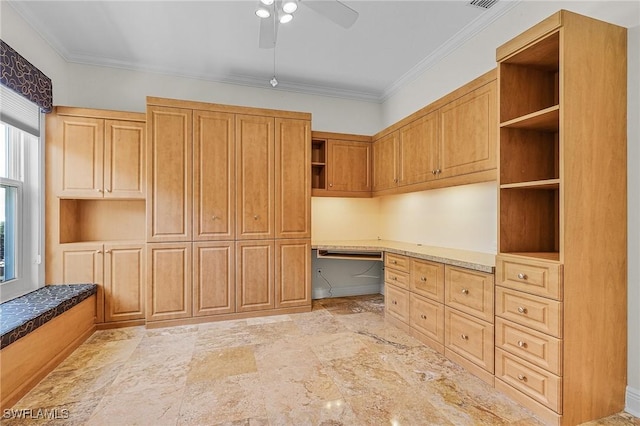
(21, 316)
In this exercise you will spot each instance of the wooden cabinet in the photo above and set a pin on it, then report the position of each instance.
(83, 263)
(469, 291)
(168, 281)
(213, 176)
(419, 151)
(385, 162)
(124, 281)
(397, 302)
(293, 178)
(471, 339)
(214, 278)
(255, 177)
(427, 279)
(292, 273)
(255, 275)
(170, 181)
(341, 165)
(561, 268)
(427, 318)
(99, 157)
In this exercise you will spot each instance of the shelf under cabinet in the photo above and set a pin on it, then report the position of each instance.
(547, 119)
(539, 184)
(546, 255)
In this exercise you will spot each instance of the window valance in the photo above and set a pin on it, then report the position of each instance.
(21, 76)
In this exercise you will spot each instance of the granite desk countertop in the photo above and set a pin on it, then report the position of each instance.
(484, 262)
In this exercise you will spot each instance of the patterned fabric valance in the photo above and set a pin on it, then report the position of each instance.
(21, 76)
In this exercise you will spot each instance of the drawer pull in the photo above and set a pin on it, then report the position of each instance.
(394, 262)
(465, 291)
(522, 276)
(423, 316)
(423, 279)
(522, 377)
(394, 302)
(522, 344)
(214, 217)
(394, 278)
(464, 337)
(522, 309)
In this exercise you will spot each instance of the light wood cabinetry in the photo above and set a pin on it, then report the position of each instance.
(341, 165)
(561, 268)
(238, 201)
(449, 142)
(94, 208)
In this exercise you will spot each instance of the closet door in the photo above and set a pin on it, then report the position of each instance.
(168, 281)
(213, 278)
(213, 176)
(293, 273)
(293, 178)
(254, 177)
(254, 277)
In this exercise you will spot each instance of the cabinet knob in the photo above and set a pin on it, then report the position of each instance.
(107, 251)
(98, 251)
(522, 276)
(438, 171)
(433, 172)
(394, 278)
(394, 302)
(465, 291)
(98, 190)
(423, 316)
(464, 337)
(255, 217)
(108, 190)
(522, 309)
(214, 217)
(522, 377)
(394, 262)
(522, 344)
(395, 180)
(330, 185)
(423, 279)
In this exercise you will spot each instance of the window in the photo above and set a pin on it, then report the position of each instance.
(21, 195)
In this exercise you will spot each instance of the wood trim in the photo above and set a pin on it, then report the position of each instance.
(100, 113)
(28, 360)
(316, 192)
(483, 176)
(477, 371)
(437, 346)
(547, 415)
(206, 106)
(225, 317)
(120, 324)
(340, 136)
(474, 84)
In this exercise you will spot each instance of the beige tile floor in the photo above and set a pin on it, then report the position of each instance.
(337, 365)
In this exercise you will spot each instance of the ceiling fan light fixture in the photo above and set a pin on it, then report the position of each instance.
(267, 2)
(263, 12)
(273, 81)
(290, 6)
(287, 17)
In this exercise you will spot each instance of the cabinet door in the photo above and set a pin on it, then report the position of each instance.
(82, 263)
(213, 176)
(213, 278)
(254, 177)
(169, 178)
(254, 279)
(349, 166)
(124, 159)
(468, 133)
(169, 281)
(419, 150)
(81, 153)
(293, 273)
(385, 162)
(293, 178)
(124, 281)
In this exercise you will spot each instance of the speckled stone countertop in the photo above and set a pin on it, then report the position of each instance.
(484, 262)
(22, 315)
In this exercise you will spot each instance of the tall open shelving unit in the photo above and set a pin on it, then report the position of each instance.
(561, 269)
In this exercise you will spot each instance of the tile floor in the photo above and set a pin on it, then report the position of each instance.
(337, 365)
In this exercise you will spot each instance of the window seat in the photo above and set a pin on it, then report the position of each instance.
(21, 316)
(38, 331)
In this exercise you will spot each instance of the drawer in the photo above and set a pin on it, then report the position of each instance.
(539, 384)
(532, 276)
(541, 314)
(397, 302)
(427, 279)
(470, 338)
(469, 291)
(538, 348)
(427, 317)
(396, 261)
(400, 279)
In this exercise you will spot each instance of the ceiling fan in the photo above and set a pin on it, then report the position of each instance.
(274, 12)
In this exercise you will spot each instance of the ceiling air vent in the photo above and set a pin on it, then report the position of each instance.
(483, 4)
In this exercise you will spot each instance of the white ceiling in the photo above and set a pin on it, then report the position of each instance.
(391, 41)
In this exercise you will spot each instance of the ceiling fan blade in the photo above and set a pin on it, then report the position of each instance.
(334, 10)
(268, 32)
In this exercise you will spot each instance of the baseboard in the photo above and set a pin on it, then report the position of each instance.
(359, 290)
(632, 405)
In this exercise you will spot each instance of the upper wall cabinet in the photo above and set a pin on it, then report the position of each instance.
(450, 142)
(99, 157)
(341, 165)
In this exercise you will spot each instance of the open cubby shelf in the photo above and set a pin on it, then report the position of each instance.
(547, 120)
(318, 164)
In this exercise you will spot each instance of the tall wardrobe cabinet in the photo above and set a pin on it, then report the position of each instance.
(229, 198)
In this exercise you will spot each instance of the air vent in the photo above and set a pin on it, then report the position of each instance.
(483, 4)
